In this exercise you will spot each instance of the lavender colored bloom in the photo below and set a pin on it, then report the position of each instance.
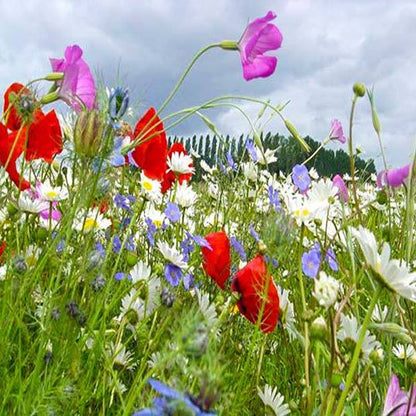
(230, 161)
(187, 247)
(116, 157)
(311, 261)
(393, 177)
(251, 150)
(300, 177)
(130, 246)
(254, 233)
(188, 281)
(173, 274)
(119, 276)
(171, 402)
(336, 132)
(124, 202)
(172, 212)
(116, 244)
(331, 259)
(151, 229)
(339, 183)
(223, 168)
(201, 241)
(238, 248)
(397, 402)
(259, 37)
(274, 199)
(78, 83)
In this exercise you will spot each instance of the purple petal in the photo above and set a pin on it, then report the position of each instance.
(262, 66)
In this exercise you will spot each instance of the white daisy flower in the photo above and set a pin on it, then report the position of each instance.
(210, 170)
(51, 193)
(171, 254)
(28, 203)
(267, 157)
(92, 221)
(272, 398)
(180, 163)
(141, 271)
(394, 274)
(185, 196)
(403, 351)
(150, 188)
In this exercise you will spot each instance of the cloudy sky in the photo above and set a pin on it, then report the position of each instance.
(145, 45)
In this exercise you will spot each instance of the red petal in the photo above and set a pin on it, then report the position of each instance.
(11, 147)
(2, 248)
(13, 121)
(151, 155)
(253, 282)
(217, 262)
(45, 138)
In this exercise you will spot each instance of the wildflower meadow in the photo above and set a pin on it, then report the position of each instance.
(137, 278)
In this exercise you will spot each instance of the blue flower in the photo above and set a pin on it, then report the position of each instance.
(230, 161)
(300, 177)
(151, 229)
(170, 401)
(254, 233)
(118, 103)
(172, 212)
(251, 150)
(173, 274)
(310, 263)
(238, 248)
(274, 199)
(331, 259)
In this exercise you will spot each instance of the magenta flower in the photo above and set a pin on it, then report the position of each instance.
(78, 85)
(260, 36)
(397, 402)
(393, 177)
(336, 132)
(339, 183)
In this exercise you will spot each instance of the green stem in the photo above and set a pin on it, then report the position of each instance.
(357, 351)
(324, 143)
(352, 158)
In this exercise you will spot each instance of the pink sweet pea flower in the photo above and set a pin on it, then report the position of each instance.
(336, 132)
(397, 401)
(339, 183)
(260, 36)
(78, 83)
(393, 177)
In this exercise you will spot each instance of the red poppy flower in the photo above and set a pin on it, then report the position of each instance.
(170, 177)
(217, 262)
(2, 248)
(151, 155)
(38, 137)
(12, 114)
(258, 294)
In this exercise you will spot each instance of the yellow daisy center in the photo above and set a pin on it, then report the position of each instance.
(89, 224)
(147, 186)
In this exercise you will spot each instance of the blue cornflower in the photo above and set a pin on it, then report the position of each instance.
(173, 274)
(116, 157)
(201, 241)
(119, 276)
(151, 229)
(331, 259)
(116, 244)
(238, 248)
(188, 280)
(130, 246)
(311, 261)
(254, 233)
(274, 199)
(172, 212)
(187, 247)
(124, 201)
(300, 177)
(230, 161)
(251, 150)
(170, 402)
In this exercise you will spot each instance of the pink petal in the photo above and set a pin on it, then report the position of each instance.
(256, 26)
(261, 66)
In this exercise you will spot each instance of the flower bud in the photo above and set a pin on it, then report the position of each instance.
(297, 136)
(319, 329)
(131, 259)
(377, 355)
(359, 89)
(119, 102)
(49, 98)
(88, 133)
(230, 45)
(336, 380)
(54, 76)
(411, 362)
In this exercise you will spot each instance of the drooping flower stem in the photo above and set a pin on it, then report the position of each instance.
(357, 351)
(323, 144)
(352, 158)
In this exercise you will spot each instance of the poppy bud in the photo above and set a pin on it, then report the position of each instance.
(297, 136)
(88, 133)
(49, 98)
(230, 45)
(54, 76)
(359, 89)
